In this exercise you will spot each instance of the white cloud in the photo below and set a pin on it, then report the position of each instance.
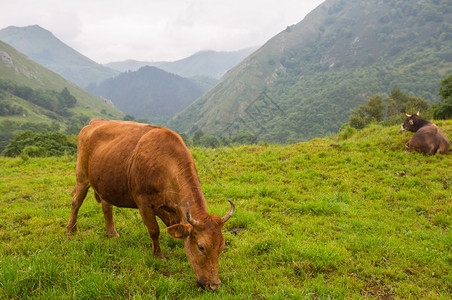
(112, 30)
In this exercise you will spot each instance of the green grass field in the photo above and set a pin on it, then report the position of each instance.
(326, 219)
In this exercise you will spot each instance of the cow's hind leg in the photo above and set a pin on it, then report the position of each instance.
(78, 195)
(153, 229)
(107, 208)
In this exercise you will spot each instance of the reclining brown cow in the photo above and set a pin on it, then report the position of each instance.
(147, 167)
(428, 138)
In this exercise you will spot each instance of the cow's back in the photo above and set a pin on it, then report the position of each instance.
(444, 142)
(439, 139)
(105, 149)
(429, 140)
(163, 171)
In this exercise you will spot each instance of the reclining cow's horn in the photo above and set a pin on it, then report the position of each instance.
(230, 213)
(407, 115)
(190, 220)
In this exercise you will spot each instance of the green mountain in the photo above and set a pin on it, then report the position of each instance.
(35, 98)
(204, 63)
(148, 93)
(44, 48)
(303, 82)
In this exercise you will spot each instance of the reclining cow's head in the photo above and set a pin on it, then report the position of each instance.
(411, 122)
(203, 243)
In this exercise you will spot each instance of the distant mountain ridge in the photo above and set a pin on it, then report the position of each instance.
(149, 93)
(43, 47)
(303, 82)
(204, 63)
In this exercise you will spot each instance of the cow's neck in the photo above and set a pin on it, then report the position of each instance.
(194, 196)
(191, 192)
(174, 209)
(421, 123)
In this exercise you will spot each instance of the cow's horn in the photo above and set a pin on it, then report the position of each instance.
(230, 213)
(417, 113)
(190, 220)
(407, 115)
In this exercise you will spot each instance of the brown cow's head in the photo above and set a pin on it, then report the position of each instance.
(203, 243)
(412, 122)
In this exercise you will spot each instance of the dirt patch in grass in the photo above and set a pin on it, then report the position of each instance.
(378, 289)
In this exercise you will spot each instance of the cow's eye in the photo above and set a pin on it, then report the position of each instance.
(201, 248)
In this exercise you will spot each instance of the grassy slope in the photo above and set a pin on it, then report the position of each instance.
(24, 71)
(327, 218)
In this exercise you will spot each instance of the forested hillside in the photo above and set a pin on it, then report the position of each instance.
(303, 83)
(148, 93)
(34, 98)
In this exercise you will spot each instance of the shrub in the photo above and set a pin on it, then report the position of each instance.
(209, 141)
(245, 137)
(346, 132)
(34, 151)
(40, 144)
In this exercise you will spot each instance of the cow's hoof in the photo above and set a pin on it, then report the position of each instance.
(160, 256)
(71, 232)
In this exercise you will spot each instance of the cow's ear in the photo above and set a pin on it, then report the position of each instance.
(178, 231)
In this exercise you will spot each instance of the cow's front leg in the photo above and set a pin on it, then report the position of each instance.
(407, 147)
(107, 208)
(153, 229)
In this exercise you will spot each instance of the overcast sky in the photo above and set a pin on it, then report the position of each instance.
(156, 30)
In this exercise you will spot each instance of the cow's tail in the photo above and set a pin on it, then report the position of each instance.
(436, 149)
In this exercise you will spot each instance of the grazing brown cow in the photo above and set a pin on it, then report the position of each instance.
(147, 167)
(428, 138)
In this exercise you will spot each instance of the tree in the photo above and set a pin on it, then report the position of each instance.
(390, 111)
(245, 137)
(76, 123)
(128, 118)
(372, 111)
(375, 108)
(358, 119)
(24, 92)
(209, 141)
(69, 100)
(444, 108)
(399, 103)
(197, 137)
